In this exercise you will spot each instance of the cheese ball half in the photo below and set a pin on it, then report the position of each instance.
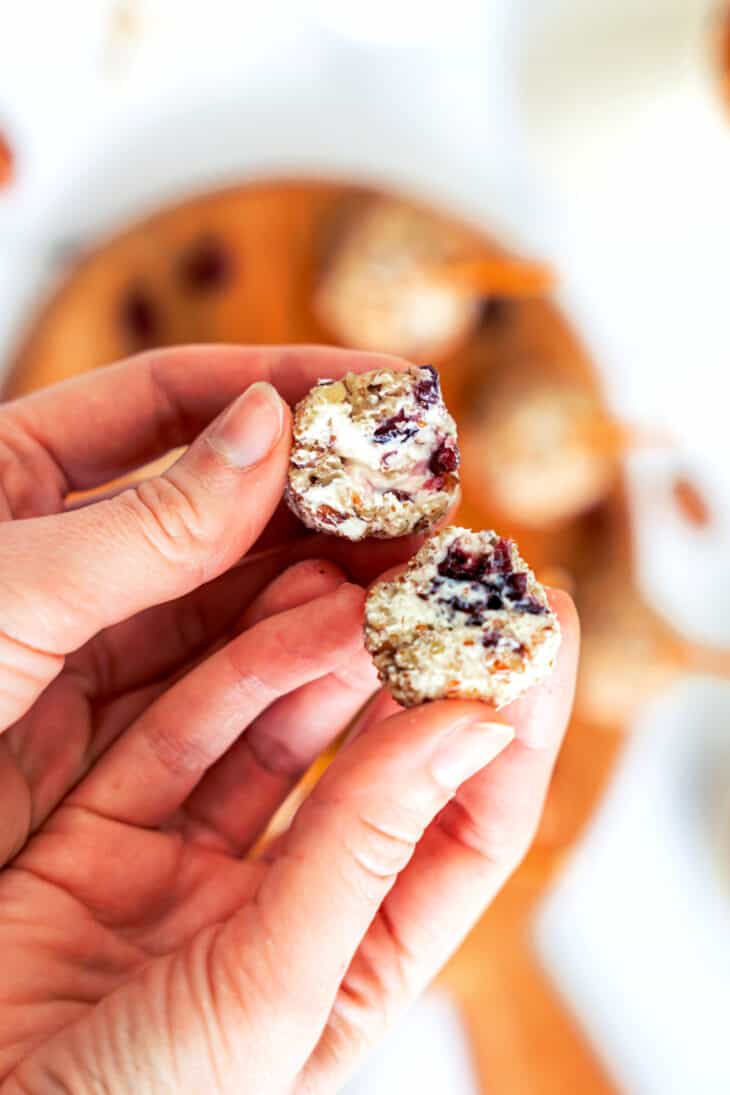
(374, 455)
(467, 620)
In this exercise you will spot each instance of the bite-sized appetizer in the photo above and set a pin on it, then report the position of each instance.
(374, 454)
(467, 619)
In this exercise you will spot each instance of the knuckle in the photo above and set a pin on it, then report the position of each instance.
(497, 843)
(276, 754)
(31, 483)
(379, 980)
(382, 846)
(178, 754)
(387, 966)
(256, 690)
(25, 671)
(170, 522)
(357, 676)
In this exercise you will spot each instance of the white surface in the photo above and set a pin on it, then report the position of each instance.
(637, 933)
(585, 130)
(426, 1054)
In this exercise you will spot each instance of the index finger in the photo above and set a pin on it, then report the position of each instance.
(100, 425)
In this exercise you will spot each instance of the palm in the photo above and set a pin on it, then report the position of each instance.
(87, 905)
(94, 894)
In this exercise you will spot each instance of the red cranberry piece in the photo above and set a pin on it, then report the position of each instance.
(531, 606)
(464, 567)
(205, 266)
(139, 318)
(501, 558)
(397, 428)
(516, 585)
(473, 608)
(401, 495)
(457, 565)
(444, 459)
(494, 574)
(428, 390)
(490, 639)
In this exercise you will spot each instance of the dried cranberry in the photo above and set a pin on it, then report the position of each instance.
(428, 390)
(401, 495)
(502, 586)
(458, 565)
(516, 585)
(444, 459)
(397, 428)
(490, 639)
(139, 317)
(501, 558)
(531, 606)
(205, 266)
(472, 608)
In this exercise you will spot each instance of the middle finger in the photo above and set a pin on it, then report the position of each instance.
(149, 772)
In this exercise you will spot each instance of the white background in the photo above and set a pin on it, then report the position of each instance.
(587, 131)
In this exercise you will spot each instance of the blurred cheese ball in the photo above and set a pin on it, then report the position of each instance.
(541, 450)
(381, 290)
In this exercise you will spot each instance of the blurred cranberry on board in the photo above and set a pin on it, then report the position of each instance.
(139, 318)
(690, 502)
(205, 266)
(6, 161)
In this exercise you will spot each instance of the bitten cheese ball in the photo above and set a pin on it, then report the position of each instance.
(373, 455)
(466, 620)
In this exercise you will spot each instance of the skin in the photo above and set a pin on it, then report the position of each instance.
(172, 658)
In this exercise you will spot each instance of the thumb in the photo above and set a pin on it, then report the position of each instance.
(65, 577)
(354, 834)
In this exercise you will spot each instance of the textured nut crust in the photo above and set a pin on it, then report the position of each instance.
(373, 455)
(467, 619)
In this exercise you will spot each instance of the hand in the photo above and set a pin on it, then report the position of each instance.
(162, 698)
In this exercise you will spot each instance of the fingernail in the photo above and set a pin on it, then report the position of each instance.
(251, 427)
(468, 749)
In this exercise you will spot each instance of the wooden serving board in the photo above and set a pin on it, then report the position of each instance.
(240, 265)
